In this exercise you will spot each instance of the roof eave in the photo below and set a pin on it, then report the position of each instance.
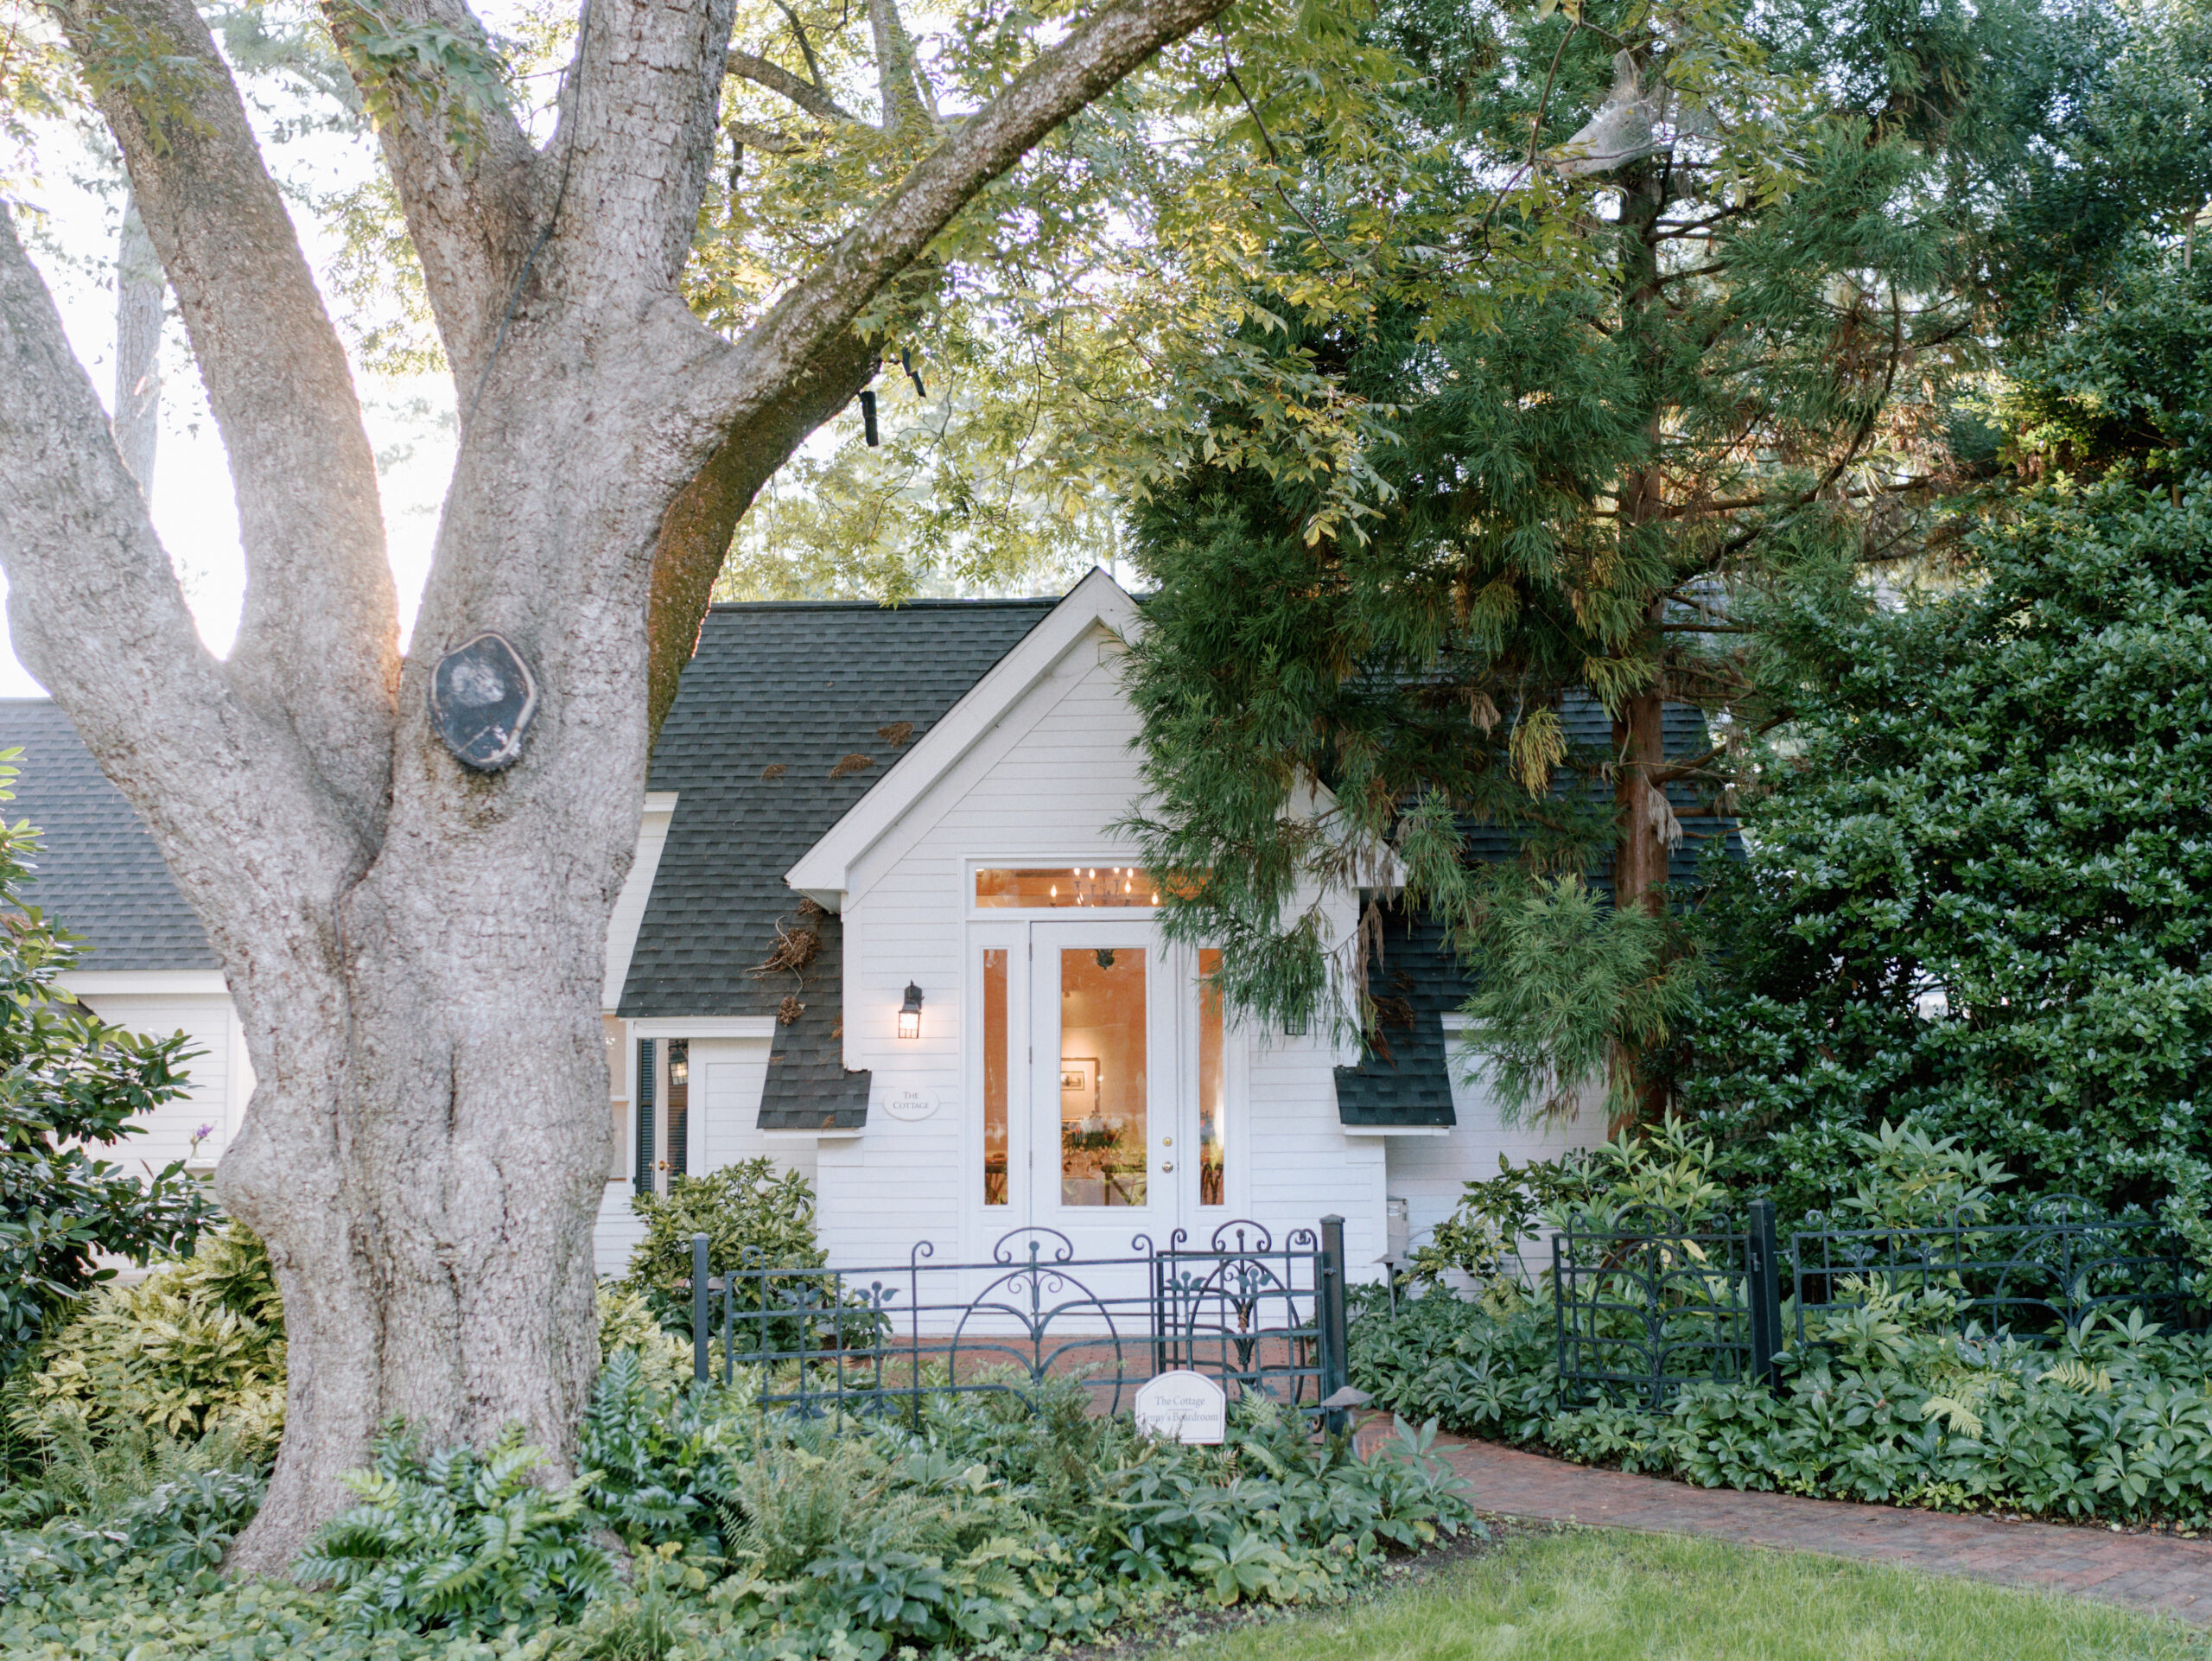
(824, 872)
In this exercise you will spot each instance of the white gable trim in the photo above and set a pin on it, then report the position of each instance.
(629, 914)
(824, 872)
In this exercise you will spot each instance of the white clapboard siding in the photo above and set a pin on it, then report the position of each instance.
(1044, 786)
(1047, 782)
(618, 1230)
(1429, 1171)
(218, 1079)
(728, 1075)
(1301, 1166)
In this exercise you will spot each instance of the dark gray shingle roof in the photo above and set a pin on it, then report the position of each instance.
(99, 875)
(773, 699)
(1405, 1082)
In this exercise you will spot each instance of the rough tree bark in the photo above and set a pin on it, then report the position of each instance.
(1647, 826)
(137, 421)
(416, 949)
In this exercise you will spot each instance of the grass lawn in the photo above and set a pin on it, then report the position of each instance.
(1592, 1596)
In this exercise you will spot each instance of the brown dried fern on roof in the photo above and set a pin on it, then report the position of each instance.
(773, 770)
(788, 1010)
(853, 763)
(896, 734)
(793, 950)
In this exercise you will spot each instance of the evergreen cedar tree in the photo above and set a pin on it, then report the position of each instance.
(1729, 397)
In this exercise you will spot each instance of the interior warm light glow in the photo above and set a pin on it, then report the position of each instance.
(1051, 887)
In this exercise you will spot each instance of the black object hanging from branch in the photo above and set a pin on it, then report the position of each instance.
(482, 696)
(868, 417)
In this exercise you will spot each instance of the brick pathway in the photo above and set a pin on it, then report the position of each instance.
(2141, 1571)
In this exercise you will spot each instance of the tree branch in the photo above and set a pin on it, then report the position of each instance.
(318, 644)
(1106, 46)
(639, 112)
(470, 212)
(785, 84)
(96, 615)
(895, 67)
(762, 138)
(695, 536)
(805, 48)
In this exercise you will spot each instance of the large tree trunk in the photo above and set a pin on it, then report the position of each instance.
(1647, 827)
(415, 948)
(432, 1234)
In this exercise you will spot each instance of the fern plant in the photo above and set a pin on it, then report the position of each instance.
(458, 1540)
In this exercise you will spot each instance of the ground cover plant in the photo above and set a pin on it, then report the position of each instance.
(1900, 1393)
(701, 1525)
(1594, 1596)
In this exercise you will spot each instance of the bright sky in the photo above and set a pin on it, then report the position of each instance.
(410, 423)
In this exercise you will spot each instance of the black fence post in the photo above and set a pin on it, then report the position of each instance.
(1763, 1289)
(1159, 1316)
(1329, 1299)
(701, 1317)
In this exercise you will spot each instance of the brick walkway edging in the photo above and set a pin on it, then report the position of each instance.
(2149, 1573)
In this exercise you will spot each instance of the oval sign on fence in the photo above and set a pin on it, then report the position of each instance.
(1183, 1406)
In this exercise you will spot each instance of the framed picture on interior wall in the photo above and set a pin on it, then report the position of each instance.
(1078, 1086)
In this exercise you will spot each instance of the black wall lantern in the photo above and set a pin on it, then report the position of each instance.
(910, 1013)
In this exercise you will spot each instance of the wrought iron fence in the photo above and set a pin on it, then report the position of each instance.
(2053, 1271)
(1646, 1301)
(1260, 1317)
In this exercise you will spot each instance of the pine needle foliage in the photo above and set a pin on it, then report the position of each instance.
(1711, 369)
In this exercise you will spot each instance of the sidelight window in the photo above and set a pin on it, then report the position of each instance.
(1213, 1086)
(996, 1050)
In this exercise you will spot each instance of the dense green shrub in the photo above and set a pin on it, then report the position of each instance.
(1900, 1399)
(71, 1087)
(1978, 896)
(198, 1346)
(753, 1216)
(751, 1213)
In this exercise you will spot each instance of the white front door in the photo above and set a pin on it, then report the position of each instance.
(1106, 1142)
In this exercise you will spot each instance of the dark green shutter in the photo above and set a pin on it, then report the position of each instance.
(643, 1181)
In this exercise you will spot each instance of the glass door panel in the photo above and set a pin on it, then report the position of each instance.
(1103, 1113)
(1104, 1152)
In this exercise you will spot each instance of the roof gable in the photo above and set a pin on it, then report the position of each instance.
(774, 702)
(825, 870)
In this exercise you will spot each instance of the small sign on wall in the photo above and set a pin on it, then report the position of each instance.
(1183, 1406)
(909, 1103)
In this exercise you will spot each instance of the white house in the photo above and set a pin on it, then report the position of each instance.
(882, 930)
